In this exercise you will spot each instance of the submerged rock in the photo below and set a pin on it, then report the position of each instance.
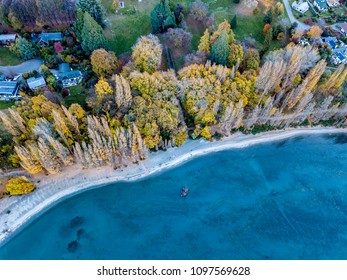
(72, 246)
(77, 221)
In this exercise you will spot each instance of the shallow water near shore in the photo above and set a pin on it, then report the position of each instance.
(280, 200)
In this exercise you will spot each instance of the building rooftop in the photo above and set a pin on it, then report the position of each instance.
(5, 37)
(343, 26)
(64, 67)
(340, 56)
(7, 88)
(52, 36)
(322, 4)
(34, 83)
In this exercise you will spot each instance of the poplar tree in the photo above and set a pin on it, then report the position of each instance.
(205, 44)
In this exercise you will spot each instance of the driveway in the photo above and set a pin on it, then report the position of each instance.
(301, 26)
(27, 66)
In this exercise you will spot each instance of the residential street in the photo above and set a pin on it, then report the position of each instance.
(301, 26)
(27, 66)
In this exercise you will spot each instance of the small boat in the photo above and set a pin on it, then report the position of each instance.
(184, 192)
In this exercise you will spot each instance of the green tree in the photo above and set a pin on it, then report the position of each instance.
(24, 49)
(268, 16)
(93, 36)
(78, 25)
(94, 8)
(233, 22)
(268, 39)
(162, 17)
(220, 50)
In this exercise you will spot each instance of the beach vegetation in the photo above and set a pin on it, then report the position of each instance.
(19, 186)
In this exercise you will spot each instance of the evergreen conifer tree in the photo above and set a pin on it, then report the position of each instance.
(93, 36)
(94, 8)
(220, 50)
(233, 22)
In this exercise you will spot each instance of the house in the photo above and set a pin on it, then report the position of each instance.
(343, 28)
(35, 83)
(333, 3)
(339, 55)
(45, 38)
(67, 76)
(332, 42)
(6, 39)
(339, 58)
(301, 7)
(321, 5)
(9, 90)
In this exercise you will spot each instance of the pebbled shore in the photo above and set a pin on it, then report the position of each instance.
(16, 210)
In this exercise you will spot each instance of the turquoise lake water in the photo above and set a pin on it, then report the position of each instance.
(280, 200)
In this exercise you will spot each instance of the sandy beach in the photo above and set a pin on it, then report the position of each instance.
(16, 210)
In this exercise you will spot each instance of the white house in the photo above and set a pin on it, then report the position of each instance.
(6, 39)
(333, 3)
(67, 76)
(35, 83)
(301, 6)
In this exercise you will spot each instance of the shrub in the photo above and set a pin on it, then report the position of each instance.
(199, 10)
(19, 185)
(179, 38)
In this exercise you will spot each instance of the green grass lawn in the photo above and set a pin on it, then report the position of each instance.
(77, 95)
(123, 30)
(8, 58)
(4, 105)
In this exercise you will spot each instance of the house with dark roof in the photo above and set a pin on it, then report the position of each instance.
(321, 5)
(339, 58)
(46, 38)
(9, 90)
(332, 42)
(67, 75)
(6, 39)
(35, 83)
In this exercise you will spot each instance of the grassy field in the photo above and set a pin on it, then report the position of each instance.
(76, 96)
(4, 105)
(7, 58)
(123, 30)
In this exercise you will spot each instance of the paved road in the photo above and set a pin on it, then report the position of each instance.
(27, 66)
(301, 26)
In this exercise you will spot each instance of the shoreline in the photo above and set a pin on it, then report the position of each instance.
(15, 211)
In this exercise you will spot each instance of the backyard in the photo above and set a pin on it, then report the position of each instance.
(8, 58)
(77, 95)
(5, 104)
(133, 21)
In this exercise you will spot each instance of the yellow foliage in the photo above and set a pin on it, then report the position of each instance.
(315, 31)
(103, 88)
(18, 186)
(206, 133)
